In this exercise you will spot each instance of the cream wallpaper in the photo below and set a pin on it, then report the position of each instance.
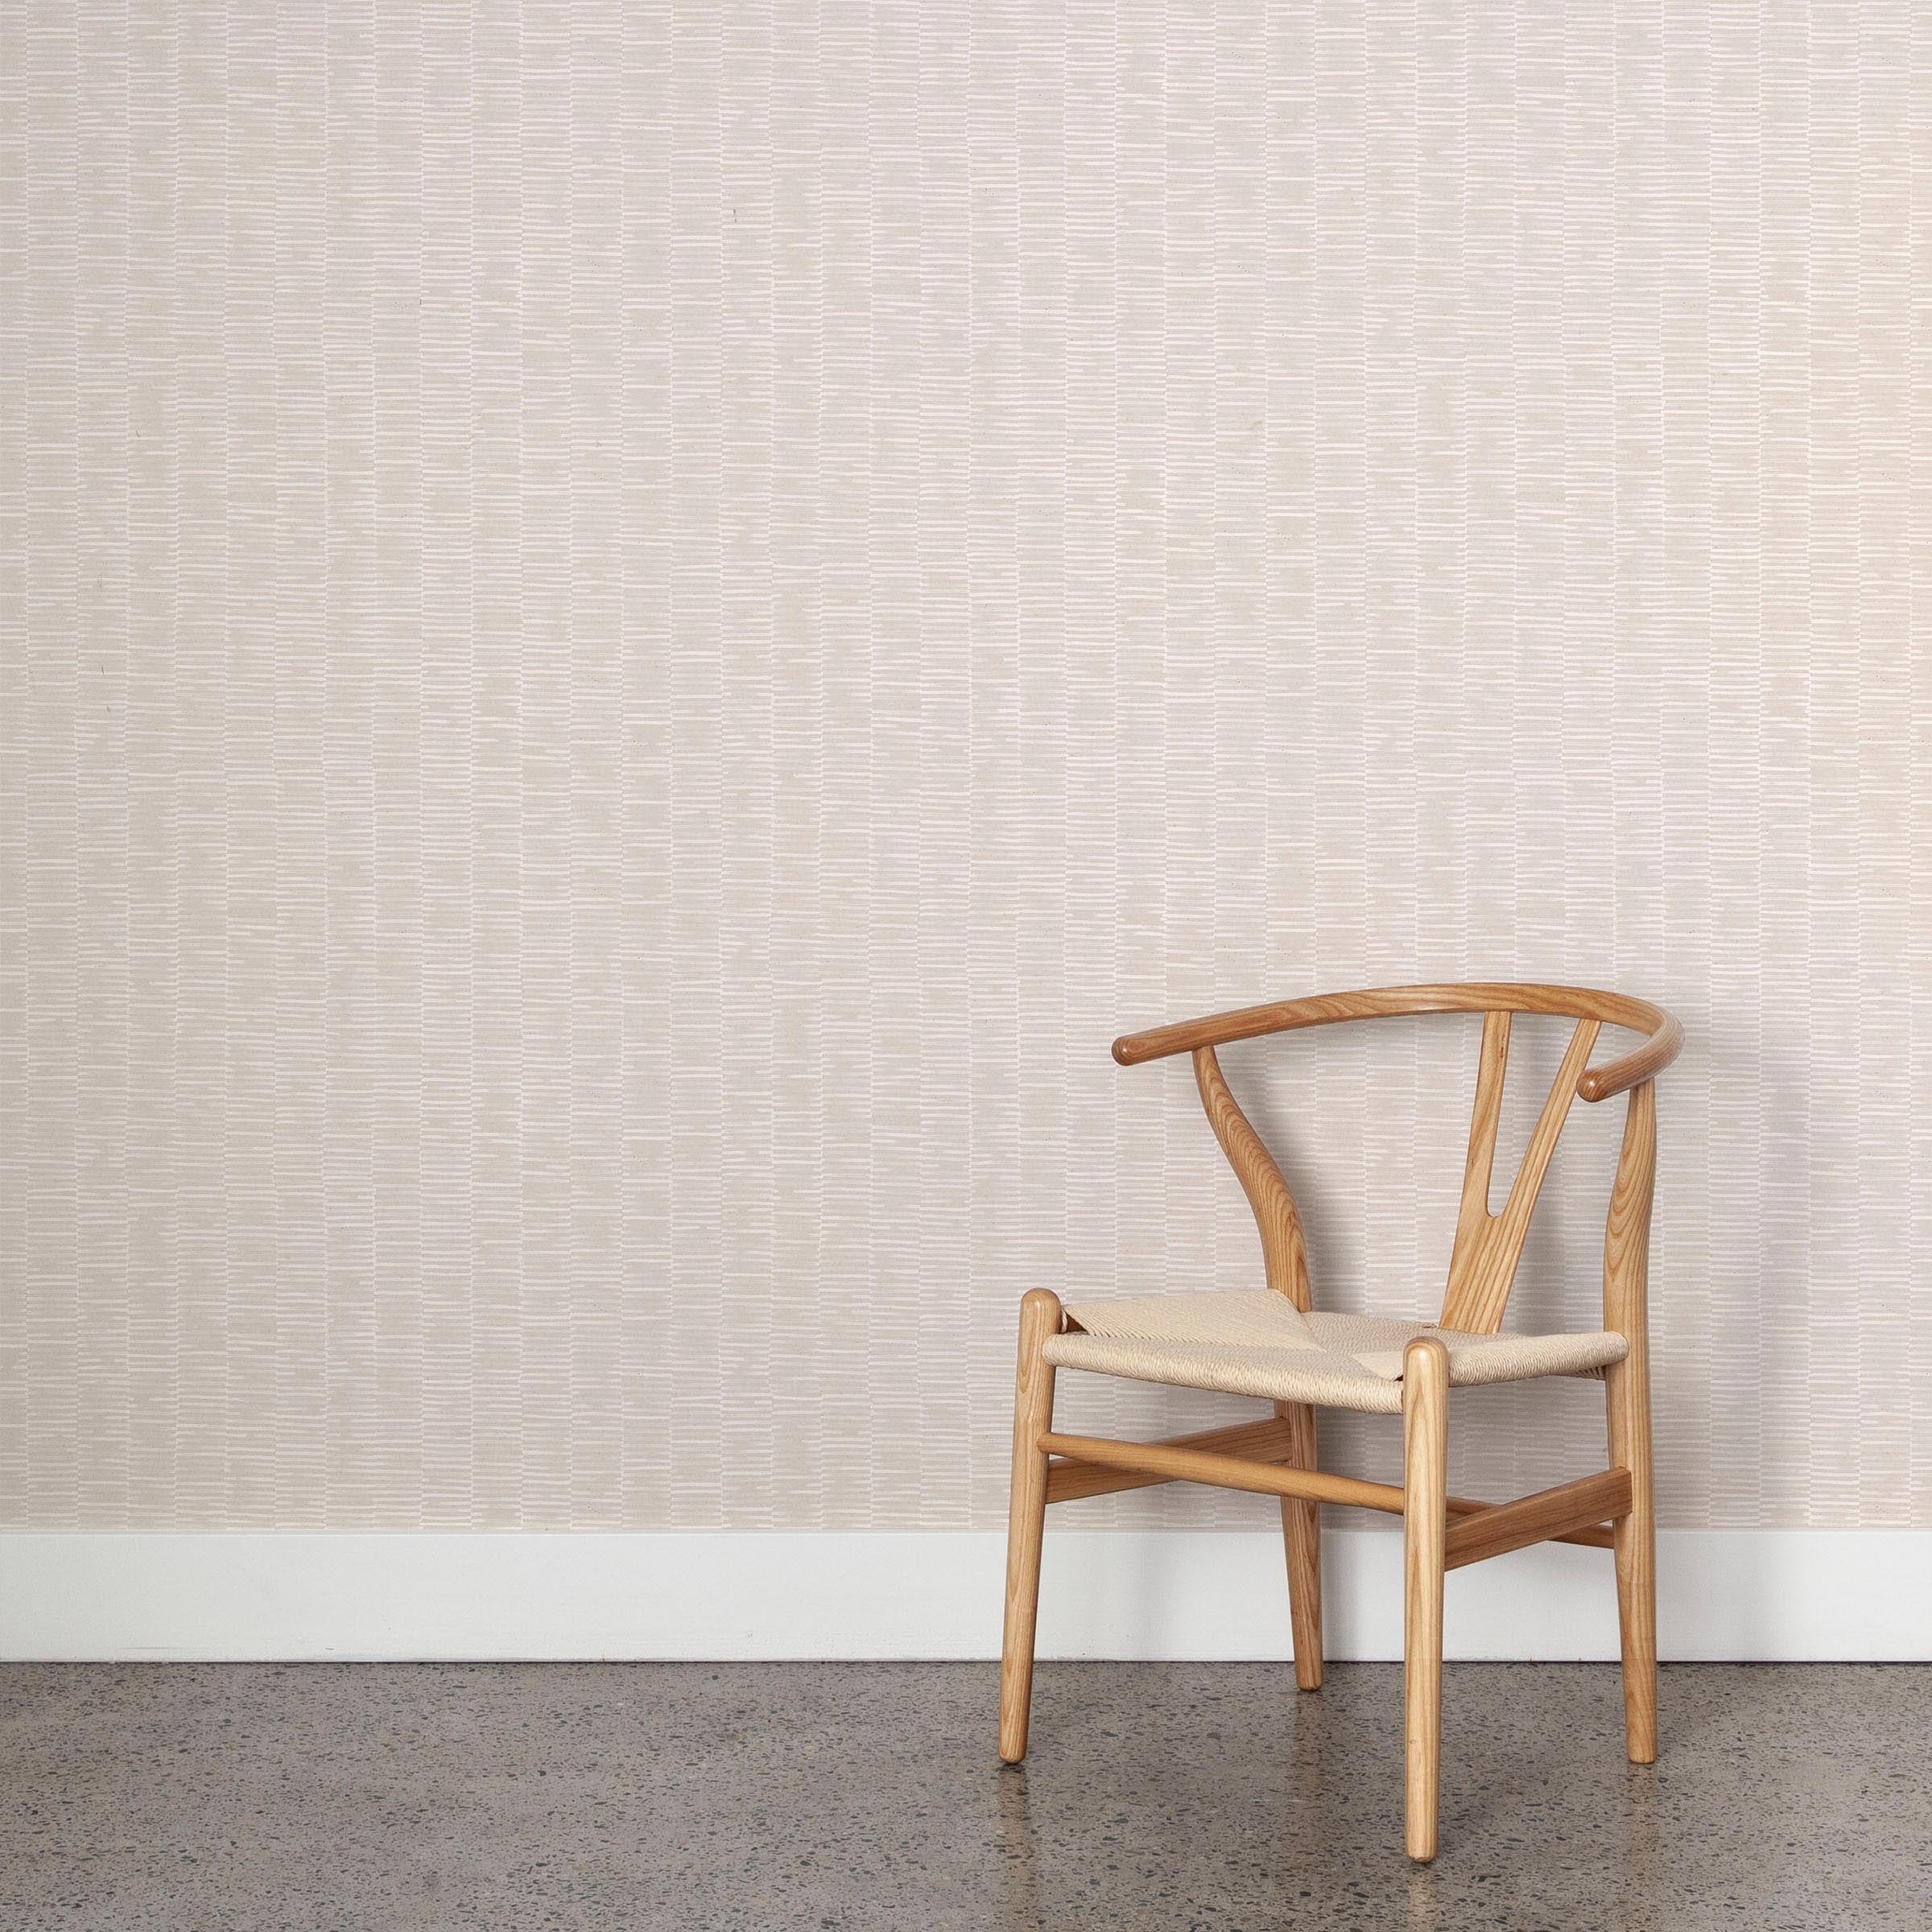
(629, 634)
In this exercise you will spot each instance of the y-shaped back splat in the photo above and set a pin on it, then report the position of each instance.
(1283, 1251)
(1488, 1246)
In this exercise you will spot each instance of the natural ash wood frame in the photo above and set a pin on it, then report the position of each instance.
(1276, 1456)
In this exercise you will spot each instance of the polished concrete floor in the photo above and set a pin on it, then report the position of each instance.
(1178, 1798)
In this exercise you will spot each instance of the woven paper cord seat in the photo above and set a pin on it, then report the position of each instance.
(1260, 1343)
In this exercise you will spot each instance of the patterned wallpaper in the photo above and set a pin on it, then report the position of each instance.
(629, 635)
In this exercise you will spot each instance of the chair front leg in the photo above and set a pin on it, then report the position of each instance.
(1026, 1517)
(1301, 1541)
(1425, 1527)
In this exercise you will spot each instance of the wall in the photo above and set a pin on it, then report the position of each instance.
(631, 636)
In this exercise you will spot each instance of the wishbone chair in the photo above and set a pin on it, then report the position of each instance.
(1271, 1343)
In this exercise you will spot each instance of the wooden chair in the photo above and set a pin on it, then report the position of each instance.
(1271, 1344)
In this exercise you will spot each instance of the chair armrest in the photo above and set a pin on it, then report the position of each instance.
(1319, 1009)
(1664, 1036)
(1641, 1063)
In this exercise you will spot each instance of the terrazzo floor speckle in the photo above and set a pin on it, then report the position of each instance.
(1177, 1797)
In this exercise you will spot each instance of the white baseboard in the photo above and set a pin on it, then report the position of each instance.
(1773, 1595)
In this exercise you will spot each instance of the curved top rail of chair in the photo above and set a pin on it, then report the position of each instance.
(1664, 1036)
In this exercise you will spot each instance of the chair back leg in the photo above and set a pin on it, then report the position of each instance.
(1627, 1388)
(1302, 1539)
(1425, 1528)
(1627, 1395)
(1026, 1517)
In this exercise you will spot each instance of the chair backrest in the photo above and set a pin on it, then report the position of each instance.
(1483, 1262)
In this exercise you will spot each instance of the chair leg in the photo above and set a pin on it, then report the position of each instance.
(1425, 1527)
(1301, 1540)
(1026, 1518)
(1627, 1395)
(1626, 1386)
